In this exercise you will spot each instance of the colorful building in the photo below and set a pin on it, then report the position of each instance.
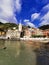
(46, 32)
(28, 33)
(12, 34)
(2, 32)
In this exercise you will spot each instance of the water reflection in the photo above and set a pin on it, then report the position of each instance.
(2, 44)
(23, 53)
(13, 47)
(42, 55)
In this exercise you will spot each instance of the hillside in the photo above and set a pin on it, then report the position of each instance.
(44, 27)
(5, 26)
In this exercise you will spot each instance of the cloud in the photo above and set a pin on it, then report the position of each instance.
(45, 9)
(8, 9)
(42, 16)
(34, 16)
(18, 5)
(26, 20)
(28, 23)
(44, 22)
(45, 18)
(3, 20)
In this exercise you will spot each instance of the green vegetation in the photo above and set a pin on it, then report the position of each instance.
(24, 27)
(5, 26)
(44, 27)
(38, 36)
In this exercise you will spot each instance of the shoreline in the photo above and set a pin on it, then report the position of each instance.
(43, 40)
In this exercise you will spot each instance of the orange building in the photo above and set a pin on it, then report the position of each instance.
(2, 32)
(46, 32)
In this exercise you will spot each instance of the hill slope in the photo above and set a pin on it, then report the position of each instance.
(44, 27)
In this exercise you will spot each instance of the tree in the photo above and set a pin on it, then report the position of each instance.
(44, 27)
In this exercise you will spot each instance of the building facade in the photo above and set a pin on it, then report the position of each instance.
(46, 32)
(12, 34)
(27, 33)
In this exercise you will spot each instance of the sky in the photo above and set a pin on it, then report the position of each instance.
(34, 13)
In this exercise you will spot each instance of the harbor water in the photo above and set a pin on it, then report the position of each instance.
(23, 53)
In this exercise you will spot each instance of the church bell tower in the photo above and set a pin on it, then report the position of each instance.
(20, 26)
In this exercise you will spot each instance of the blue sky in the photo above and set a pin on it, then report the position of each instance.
(34, 13)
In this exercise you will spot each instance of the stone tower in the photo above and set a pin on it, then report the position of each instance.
(20, 26)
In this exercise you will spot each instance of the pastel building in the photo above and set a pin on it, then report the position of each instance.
(14, 33)
(37, 32)
(27, 33)
(2, 32)
(46, 32)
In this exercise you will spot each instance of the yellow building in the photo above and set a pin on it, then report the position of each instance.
(2, 33)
